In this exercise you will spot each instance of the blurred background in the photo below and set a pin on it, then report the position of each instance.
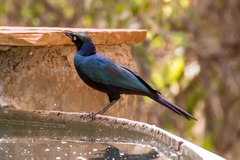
(191, 55)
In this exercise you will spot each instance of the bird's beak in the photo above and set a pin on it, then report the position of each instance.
(69, 34)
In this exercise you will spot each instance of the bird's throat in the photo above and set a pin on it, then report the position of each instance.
(86, 49)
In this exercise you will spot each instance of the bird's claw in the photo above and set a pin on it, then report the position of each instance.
(90, 115)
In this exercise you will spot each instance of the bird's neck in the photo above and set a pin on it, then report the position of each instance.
(87, 49)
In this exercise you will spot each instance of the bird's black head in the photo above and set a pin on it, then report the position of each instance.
(78, 38)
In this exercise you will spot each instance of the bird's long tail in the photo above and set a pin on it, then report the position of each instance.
(173, 107)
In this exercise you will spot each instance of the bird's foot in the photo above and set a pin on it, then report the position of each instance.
(89, 117)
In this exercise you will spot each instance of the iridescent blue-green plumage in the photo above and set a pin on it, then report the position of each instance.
(111, 78)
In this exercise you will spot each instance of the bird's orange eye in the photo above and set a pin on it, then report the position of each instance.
(74, 38)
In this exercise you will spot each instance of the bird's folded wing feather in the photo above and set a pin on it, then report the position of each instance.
(105, 71)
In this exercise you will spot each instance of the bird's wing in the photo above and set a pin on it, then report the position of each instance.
(103, 70)
(140, 79)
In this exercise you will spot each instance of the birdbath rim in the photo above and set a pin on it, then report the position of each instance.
(174, 142)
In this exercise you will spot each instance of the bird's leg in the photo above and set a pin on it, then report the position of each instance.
(104, 109)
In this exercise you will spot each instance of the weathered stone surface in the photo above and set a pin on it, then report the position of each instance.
(45, 78)
(37, 72)
(46, 36)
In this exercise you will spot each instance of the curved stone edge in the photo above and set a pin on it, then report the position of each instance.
(47, 36)
(58, 117)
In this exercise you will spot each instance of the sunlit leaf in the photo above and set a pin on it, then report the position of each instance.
(87, 20)
(207, 142)
(176, 67)
(158, 41)
(167, 10)
(147, 100)
(157, 79)
(184, 3)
